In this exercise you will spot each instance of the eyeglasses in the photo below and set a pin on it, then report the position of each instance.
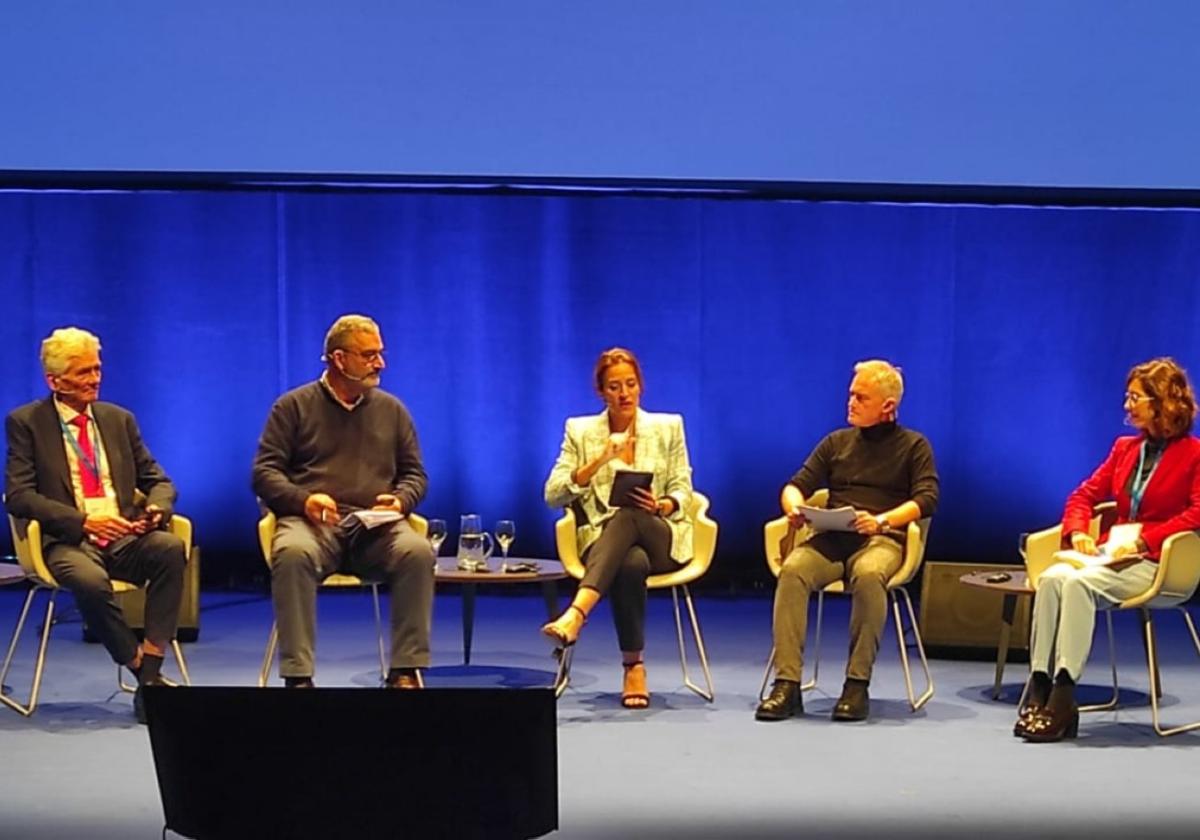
(368, 356)
(1134, 399)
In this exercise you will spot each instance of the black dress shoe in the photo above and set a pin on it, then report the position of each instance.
(854, 704)
(139, 700)
(783, 702)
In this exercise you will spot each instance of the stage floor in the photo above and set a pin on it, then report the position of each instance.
(81, 767)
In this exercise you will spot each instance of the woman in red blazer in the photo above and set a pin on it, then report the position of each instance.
(1154, 477)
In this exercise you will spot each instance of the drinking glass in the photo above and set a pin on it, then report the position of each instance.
(506, 532)
(437, 536)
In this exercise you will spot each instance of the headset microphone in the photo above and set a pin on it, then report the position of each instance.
(342, 371)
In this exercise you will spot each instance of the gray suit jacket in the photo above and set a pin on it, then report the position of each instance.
(37, 477)
(661, 449)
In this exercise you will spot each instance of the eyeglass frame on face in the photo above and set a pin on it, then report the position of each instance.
(370, 356)
(1133, 398)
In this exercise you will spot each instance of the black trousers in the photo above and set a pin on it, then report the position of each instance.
(154, 560)
(633, 545)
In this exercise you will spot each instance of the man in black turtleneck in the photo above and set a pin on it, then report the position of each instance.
(886, 473)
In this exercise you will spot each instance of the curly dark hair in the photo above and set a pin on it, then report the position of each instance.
(1166, 384)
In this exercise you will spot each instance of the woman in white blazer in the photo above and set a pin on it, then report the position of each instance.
(621, 546)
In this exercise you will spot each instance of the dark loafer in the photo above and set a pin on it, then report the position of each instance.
(1024, 717)
(854, 704)
(783, 702)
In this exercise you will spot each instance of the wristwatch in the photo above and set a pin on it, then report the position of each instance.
(882, 522)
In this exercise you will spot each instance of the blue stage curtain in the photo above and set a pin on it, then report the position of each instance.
(1015, 327)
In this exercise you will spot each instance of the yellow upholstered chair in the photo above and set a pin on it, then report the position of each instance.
(27, 542)
(776, 532)
(266, 536)
(704, 546)
(1176, 581)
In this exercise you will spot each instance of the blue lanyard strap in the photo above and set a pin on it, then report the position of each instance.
(1138, 488)
(92, 466)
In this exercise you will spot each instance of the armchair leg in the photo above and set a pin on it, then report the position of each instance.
(269, 655)
(1111, 703)
(762, 689)
(707, 691)
(383, 668)
(816, 649)
(177, 652)
(39, 662)
(562, 675)
(914, 701)
(1152, 671)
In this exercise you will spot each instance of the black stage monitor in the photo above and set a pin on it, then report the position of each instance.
(362, 763)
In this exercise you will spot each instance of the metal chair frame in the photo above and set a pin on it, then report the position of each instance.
(27, 542)
(916, 535)
(266, 536)
(1175, 582)
(704, 546)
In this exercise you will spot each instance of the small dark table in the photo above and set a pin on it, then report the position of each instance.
(1012, 589)
(548, 574)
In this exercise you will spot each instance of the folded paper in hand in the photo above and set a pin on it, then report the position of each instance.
(366, 520)
(1118, 535)
(838, 519)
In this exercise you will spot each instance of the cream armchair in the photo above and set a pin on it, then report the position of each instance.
(266, 537)
(778, 533)
(704, 545)
(1175, 582)
(27, 542)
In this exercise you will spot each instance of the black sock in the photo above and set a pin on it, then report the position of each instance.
(1063, 678)
(1039, 687)
(396, 673)
(151, 668)
(293, 682)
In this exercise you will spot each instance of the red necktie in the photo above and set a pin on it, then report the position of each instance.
(89, 467)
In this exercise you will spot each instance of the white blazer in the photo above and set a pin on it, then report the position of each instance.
(660, 449)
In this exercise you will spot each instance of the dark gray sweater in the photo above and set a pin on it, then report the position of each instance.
(311, 444)
(873, 469)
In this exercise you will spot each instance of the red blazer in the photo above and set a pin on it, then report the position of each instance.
(1170, 504)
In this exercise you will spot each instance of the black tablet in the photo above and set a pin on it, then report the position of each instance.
(623, 482)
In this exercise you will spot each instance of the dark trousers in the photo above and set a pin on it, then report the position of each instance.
(155, 560)
(303, 555)
(633, 545)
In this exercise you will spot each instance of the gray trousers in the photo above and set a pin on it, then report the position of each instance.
(866, 564)
(1064, 611)
(303, 555)
(155, 560)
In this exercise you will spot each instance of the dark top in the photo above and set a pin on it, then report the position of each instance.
(312, 444)
(873, 469)
(38, 476)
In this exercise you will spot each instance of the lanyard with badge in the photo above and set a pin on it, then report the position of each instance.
(103, 504)
(1137, 488)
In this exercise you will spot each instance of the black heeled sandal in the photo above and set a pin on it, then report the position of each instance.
(634, 699)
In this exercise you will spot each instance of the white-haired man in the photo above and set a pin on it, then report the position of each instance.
(74, 465)
(887, 475)
(331, 447)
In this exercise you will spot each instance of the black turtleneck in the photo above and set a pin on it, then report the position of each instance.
(873, 469)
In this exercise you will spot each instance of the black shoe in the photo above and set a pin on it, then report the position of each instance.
(298, 682)
(139, 699)
(854, 704)
(783, 702)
